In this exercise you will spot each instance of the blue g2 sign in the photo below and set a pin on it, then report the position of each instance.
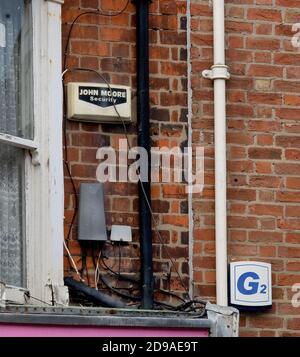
(250, 284)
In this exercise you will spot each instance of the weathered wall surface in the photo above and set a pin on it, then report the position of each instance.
(107, 44)
(263, 151)
(263, 140)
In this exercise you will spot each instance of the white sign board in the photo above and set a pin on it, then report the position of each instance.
(99, 103)
(250, 284)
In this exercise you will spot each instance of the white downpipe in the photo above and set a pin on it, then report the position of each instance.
(219, 74)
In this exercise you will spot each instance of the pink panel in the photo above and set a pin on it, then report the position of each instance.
(10, 330)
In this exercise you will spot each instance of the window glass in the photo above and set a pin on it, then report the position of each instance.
(12, 269)
(16, 90)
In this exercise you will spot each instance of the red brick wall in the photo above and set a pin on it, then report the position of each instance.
(263, 139)
(107, 44)
(263, 151)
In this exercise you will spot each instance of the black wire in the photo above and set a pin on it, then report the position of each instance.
(117, 292)
(137, 298)
(66, 162)
(84, 262)
(182, 307)
(120, 258)
(165, 292)
(29, 296)
(98, 13)
(135, 281)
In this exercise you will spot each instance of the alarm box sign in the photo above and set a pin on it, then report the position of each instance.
(99, 103)
(102, 96)
(251, 285)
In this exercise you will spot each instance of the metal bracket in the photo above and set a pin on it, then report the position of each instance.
(218, 71)
(35, 158)
(225, 321)
(14, 295)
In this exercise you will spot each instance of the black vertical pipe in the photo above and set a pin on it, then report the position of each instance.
(143, 115)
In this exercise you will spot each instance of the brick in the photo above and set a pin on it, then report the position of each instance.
(289, 252)
(242, 250)
(263, 125)
(267, 251)
(173, 69)
(266, 210)
(286, 86)
(292, 211)
(121, 204)
(288, 279)
(286, 58)
(237, 235)
(287, 169)
(241, 194)
(293, 183)
(288, 141)
(239, 138)
(168, 37)
(265, 236)
(169, 99)
(116, 34)
(293, 266)
(263, 84)
(160, 206)
(289, 224)
(89, 48)
(265, 181)
(265, 98)
(262, 43)
(264, 29)
(293, 238)
(239, 27)
(265, 71)
(288, 196)
(263, 167)
(242, 222)
(264, 15)
(265, 154)
(265, 140)
(293, 100)
(266, 322)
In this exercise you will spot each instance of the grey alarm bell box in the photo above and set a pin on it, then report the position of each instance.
(92, 225)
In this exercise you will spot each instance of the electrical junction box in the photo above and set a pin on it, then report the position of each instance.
(251, 285)
(92, 223)
(98, 102)
(121, 233)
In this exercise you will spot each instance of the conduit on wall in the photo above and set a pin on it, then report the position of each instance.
(143, 115)
(219, 74)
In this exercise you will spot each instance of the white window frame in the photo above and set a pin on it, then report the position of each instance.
(44, 186)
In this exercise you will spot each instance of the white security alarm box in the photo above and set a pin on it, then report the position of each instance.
(251, 284)
(99, 103)
(121, 233)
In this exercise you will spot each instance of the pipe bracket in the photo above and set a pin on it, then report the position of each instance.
(218, 71)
